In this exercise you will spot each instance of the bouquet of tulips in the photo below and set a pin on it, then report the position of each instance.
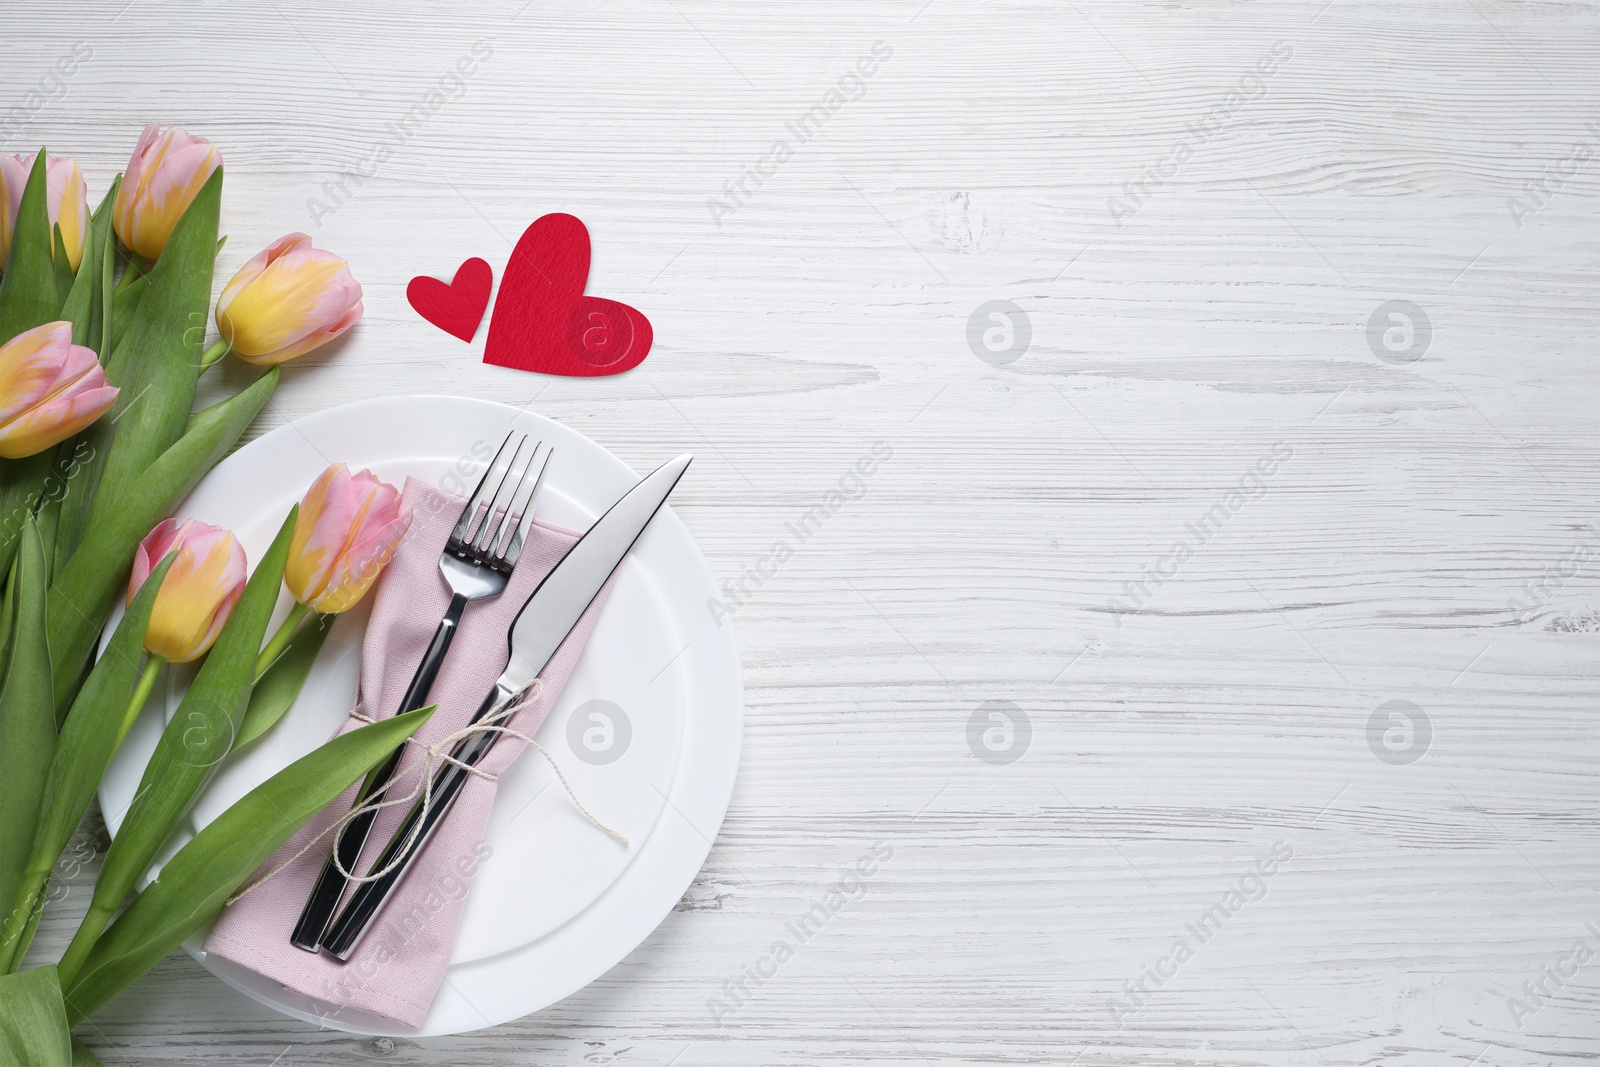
(103, 325)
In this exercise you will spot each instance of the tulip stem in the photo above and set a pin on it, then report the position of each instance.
(135, 269)
(94, 923)
(214, 354)
(29, 899)
(141, 693)
(281, 638)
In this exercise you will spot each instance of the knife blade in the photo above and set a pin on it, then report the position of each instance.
(543, 623)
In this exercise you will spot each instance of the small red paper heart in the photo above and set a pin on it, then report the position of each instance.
(456, 308)
(542, 322)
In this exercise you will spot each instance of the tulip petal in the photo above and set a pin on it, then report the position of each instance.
(348, 529)
(292, 297)
(167, 170)
(151, 551)
(13, 179)
(133, 180)
(371, 547)
(315, 339)
(68, 203)
(320, 531)
(199, 591)
(253, 270)
(49, 389)
(54, 422)
(29, 365)
(288, 300)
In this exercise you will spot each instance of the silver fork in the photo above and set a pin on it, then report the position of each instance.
(477, 562)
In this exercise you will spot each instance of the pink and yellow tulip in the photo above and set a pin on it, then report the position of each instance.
(286, 301)
(199, 591)
(165, 174)
(50, 389)
(66, 202)
(348, 527)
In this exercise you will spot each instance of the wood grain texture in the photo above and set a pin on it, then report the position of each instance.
(1427, 540)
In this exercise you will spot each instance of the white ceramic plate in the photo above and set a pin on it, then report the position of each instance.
(647, 730)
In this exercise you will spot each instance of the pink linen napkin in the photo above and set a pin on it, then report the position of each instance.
(397, 968)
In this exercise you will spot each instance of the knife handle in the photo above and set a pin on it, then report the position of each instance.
(330, 887)
(352, 924)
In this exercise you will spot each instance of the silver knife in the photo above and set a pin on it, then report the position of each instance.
(538, 631)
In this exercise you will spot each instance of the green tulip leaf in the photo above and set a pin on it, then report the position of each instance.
(79, 306)
(33, 1020)
(275, 693)
(89, 738)
(194, 742)
(23, 483)
(82, 1056)
(157, 363)
(28, 295)
(102, 319)
(85, 589)
(7, 625)
(86, 308)
(197, 881)
(34, 915)
(66, 494)
(62, 264)
(27, 729)
(28, 298)
(47, 517)
(125, 304)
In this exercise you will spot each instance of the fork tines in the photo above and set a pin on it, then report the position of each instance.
(496, 521)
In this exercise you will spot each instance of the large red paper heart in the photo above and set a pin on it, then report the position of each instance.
(542, 321)
(456, 308)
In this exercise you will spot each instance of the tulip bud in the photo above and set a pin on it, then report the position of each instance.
(50, 389)
(199, 591)
(286, 301)
(348, 527)
(66, 202)
(164, 176)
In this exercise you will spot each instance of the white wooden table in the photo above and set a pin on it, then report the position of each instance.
(1193, 518)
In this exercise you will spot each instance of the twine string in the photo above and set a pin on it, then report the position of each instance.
(433, 754)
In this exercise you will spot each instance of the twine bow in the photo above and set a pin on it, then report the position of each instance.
(433, 754)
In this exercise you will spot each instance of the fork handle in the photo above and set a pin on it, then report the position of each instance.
(330, 887)
(422, 681)
(346, 932)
